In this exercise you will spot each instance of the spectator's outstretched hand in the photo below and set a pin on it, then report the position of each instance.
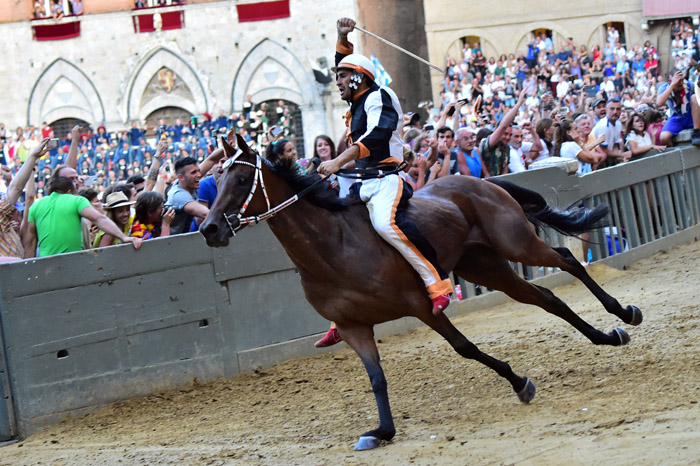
(40, 149)
(75, 132)
(162, 147)
(136, 242)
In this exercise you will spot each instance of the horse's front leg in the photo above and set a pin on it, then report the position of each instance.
(361, 339)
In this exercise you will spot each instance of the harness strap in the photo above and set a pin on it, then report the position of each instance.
(370, 173)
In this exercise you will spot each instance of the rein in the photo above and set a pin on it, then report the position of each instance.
(352, 173)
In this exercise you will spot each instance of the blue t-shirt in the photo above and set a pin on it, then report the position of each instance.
(207, 190)
(473, 163)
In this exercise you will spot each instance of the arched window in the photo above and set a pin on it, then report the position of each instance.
(168, 115)
(617, 32)
(64, 126)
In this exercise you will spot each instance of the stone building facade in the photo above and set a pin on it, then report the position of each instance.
(113, 74)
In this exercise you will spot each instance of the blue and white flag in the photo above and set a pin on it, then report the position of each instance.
(381, 77)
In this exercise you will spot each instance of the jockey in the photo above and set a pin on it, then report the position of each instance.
(374, 141)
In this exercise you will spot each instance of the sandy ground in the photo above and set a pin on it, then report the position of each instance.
(637, 404)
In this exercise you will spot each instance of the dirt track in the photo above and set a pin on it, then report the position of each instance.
(638, 404)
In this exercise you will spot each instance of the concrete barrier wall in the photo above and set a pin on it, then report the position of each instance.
(83, 329)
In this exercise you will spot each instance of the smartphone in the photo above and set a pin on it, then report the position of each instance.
(194, 120)
(428, 128)
(590, 91)
(275, 131)
(53, 143)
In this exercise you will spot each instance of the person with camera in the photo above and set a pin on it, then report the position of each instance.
(494, 148)
(679, 95)
(152, 219)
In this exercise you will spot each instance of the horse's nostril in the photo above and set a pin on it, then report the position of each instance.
(209, 230)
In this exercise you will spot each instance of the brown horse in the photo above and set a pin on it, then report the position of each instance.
(352, 277)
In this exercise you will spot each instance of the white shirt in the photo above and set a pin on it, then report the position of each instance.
(562, 89)
(613, 133)
(642, 141)
(570, 150)
(516, 163)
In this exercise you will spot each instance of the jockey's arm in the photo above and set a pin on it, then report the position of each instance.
(332, 166)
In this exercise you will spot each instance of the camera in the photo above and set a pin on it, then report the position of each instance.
(53, 143)
(167, 207)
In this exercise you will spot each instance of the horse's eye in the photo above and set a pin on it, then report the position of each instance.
(240, 179)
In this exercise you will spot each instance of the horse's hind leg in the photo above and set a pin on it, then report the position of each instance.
(531, 250)
(361, 339)
(523, 386)
(485, 267)
(630, 314)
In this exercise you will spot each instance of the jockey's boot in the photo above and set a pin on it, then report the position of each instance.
(440, 303)
(331, 338)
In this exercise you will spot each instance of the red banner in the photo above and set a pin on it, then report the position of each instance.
(262, 11)
(57, 31)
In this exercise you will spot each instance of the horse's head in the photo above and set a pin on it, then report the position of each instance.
(236, 189)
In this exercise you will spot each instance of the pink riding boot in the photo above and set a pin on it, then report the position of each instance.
(440, 303)
(331, 338)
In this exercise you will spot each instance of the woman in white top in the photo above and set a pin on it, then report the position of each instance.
(638, 139)
(566, 145)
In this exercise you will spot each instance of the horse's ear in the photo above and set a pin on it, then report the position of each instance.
(242, 145)
(228, 149)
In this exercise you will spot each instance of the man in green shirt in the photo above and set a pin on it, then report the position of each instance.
(54, 222)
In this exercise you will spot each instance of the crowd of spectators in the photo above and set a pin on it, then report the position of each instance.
(495, 116)
(137, 189)
(601, 107)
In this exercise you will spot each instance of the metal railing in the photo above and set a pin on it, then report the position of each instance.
(650, 199)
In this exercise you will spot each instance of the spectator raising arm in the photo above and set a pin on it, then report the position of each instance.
(72, 160)
(25, 172)
(497, 135)
(217, 154)
(152, 176)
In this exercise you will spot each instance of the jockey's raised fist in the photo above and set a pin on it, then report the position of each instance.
(345, 26)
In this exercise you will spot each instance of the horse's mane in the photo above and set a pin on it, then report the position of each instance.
(322, 195)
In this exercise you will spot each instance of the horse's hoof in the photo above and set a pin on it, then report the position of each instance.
(528, 392)
(637, 316)
(367, 443)
(622, 335)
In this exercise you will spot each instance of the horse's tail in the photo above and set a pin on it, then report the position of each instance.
(570, 222)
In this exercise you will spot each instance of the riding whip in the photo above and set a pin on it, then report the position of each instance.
(401, 49)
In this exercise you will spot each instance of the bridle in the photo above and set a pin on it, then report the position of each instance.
(258, 180)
